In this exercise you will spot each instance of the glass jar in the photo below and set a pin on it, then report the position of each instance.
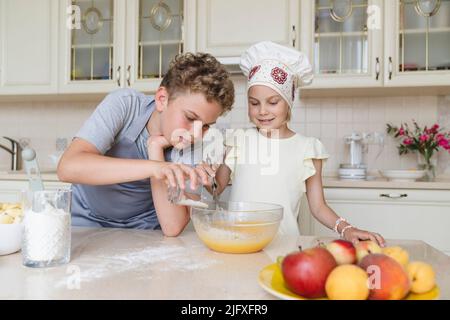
(47, 228)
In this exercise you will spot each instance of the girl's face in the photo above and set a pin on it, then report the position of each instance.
(266, 108)
(187, 117)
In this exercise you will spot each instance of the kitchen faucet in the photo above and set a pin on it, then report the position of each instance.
(16, 153)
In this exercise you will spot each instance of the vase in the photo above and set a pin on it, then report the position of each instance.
(427, 163)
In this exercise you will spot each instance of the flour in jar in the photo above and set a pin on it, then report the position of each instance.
(46, 234)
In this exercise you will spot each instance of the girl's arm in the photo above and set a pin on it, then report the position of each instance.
(83, 163)
(325, 215)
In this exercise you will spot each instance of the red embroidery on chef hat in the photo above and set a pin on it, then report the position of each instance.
(279, 75)
(254, 70)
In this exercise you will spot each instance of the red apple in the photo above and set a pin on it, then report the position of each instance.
(343, 251)
(388, 280)
(305, 273)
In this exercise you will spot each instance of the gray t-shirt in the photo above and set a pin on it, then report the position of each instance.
(112, 117)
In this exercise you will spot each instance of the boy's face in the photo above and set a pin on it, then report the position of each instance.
(266, 108)
(187, 117)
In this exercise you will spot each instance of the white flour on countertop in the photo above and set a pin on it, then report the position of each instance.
(143, 261)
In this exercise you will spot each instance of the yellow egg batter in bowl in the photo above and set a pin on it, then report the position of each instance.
(237, 227)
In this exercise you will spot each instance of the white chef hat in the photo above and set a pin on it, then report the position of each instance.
(281, 68)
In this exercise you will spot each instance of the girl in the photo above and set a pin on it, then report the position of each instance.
(271, 163)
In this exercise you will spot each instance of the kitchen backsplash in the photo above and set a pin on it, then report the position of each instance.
(328, 119)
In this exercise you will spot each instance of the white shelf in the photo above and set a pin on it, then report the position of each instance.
(421, 31)
(341, 34)
(157, 43)
(94, 45)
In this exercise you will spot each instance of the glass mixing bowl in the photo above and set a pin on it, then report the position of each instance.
(237, 227)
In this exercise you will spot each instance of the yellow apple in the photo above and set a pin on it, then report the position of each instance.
(422, 276)
(398, 254)
(347, 282)
(363, 248)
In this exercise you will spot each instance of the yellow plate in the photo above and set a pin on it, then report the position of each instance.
(271, 280)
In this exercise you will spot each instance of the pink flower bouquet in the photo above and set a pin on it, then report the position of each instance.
(425, 141)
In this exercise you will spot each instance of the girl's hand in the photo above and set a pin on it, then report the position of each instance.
(355, 235)
(207, 170)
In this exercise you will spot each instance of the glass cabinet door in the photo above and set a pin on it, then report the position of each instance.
(341, 37)
(160, 36)
(424, 35)
(92, 45)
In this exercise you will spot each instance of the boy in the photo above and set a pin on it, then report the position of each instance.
(128, 140)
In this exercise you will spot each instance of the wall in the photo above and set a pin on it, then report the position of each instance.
(328, 119)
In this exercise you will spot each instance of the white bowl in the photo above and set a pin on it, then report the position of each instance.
(10, 238)
(403, 175)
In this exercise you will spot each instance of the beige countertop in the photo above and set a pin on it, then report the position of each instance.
(141, 264)
(441, 183)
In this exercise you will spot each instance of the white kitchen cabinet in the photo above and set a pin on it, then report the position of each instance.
(226, 28)
(417, 47)
(153, 42)
(117, 43)
(28, 46)
(395, 214)
(10, 190)
(344, 42)
(91, 45)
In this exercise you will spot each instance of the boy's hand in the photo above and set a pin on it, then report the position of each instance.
(157, 142)
(175, 174)
(354, 235)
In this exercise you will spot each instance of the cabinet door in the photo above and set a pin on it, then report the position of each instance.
(407, 214)
(417, 43)
(344, 42)
(28, 46)
(156, 33)
(92, 45)
(226, 28)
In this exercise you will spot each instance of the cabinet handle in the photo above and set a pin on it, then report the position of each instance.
(118, 74)
(294, 36)
(377, 68)
(128, 75)
(393, 195)
(391, 69)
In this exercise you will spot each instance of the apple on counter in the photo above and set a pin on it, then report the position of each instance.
(305, 272)
(363, 248)
(343, 251)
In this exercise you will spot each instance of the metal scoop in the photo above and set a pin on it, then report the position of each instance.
(32, 169)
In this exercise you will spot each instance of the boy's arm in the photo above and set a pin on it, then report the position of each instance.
(172, 218)
(325, 215)
(83, 163)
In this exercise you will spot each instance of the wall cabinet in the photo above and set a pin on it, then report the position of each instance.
(28, 46)
(226, 28)
(375, 43)
(417, 43)
(344, 41)
(110, 44)
(396, 214)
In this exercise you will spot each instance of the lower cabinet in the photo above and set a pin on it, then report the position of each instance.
(10, 190)
(395, 214)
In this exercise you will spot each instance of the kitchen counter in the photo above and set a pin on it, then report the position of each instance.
(46, 175)
(442, 183)
(141, 264)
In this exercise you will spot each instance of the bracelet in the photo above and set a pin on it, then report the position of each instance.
(345, 228)
(338, 221)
